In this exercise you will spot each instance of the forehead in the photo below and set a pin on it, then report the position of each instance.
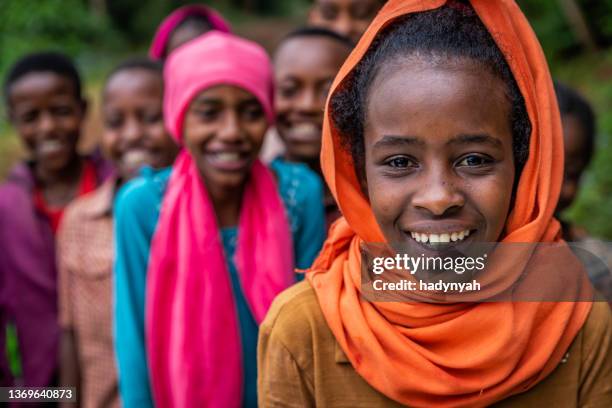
(418, 97)
(134, 82)
(40, 84)
(310, 54)
(223, 93)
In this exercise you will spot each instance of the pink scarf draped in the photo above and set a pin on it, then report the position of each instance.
(174, 19)
(192, 330)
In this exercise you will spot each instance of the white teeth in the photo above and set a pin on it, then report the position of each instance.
(227, 157)
(440, 238)
(135, 158)
(305, 132)
(306, 128)
(50, 146)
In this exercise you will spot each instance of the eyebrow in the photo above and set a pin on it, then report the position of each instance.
(475, 139)
(392, 140)
(204, 101)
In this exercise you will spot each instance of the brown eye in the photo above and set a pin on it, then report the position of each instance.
(252, 111)
(62, 110)
(28, 117)
(113, 121)
(363, 11)
(474, 160)
(288, 90)
(328, 11)
(401, 162)
(152, 118)
(207, 114)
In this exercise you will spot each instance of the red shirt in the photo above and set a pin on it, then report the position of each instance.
(87, 184)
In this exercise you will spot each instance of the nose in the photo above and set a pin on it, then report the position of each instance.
(132, 132)
(46, 124)
(230, 129)
(437, 194)
(309, 102)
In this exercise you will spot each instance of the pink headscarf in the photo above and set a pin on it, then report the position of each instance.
(162, 35)
(192, 332)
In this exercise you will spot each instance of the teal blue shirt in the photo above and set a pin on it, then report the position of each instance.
(136, 214)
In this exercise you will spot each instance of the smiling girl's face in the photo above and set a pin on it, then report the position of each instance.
(438, 153)
(224, 130)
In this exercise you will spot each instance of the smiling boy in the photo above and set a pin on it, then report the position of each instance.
(45, 106)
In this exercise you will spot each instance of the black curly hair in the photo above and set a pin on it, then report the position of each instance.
(46, 61)
(450, 32)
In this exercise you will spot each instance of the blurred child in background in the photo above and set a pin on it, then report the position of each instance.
(579, 124)
(182, 25)
(134, 135)
(346, 17)
(305, 64)
(45, 106)
(212, 240)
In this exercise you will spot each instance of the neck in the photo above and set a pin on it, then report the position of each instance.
(59, 187)
(226, 203)
(313, 163)
(69, 174)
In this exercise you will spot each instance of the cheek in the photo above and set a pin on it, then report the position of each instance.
(492, 197)
(110, 144)
(157, 134)
(387, 201)
(27, 133)
(569, 188)
(360, 26)
(71, 124)
(282, 105)
(256, 131)
(196, 133)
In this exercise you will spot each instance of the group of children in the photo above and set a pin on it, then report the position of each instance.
(147, 275)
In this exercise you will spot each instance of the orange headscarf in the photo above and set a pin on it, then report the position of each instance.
(461, 354)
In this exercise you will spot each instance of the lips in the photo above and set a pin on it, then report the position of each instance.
(50, 147)
(135, 158)
(305, 132)
(228, 160)
(132, 160)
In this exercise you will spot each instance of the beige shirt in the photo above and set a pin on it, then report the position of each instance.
(301, 365)
(85, 255)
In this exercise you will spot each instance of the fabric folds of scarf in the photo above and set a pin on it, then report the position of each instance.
(458, 354)
(192, 332)
(165, 29)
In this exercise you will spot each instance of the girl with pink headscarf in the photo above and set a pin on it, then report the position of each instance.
(182, 25)
(213, 239)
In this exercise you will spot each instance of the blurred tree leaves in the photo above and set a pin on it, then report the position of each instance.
(66, 25)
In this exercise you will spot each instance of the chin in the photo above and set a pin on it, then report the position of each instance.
(309, 154)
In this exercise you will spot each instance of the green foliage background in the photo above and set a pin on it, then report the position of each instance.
(98, 40)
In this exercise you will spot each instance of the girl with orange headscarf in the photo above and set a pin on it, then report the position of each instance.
(441, 127)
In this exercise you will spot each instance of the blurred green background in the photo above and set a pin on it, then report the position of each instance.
(576, 36)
